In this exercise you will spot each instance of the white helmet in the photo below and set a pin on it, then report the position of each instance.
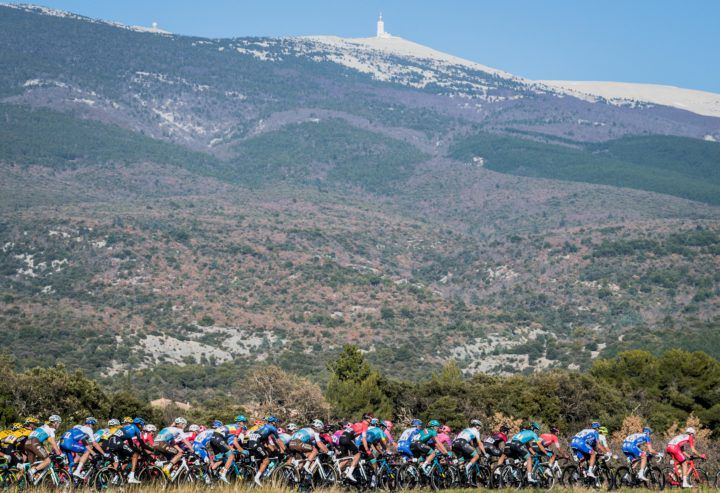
(181, 421)
(55, 419)
(690, 430)
(291, 427)
(318, 425)
(475, 422)
(149, 428)
(114, 422)
(194, 428)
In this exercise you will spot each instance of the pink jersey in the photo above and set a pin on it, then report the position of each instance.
(443, 438)
(336, 437)
(389, 436)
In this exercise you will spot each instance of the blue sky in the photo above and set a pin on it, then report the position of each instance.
(655, 41)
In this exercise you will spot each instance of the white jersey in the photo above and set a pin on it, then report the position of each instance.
(405, 436)
(602, 441)
(170, 434)
(469, 435)
(88, 431)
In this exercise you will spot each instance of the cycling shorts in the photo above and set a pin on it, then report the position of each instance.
(676, 453)
(517, 450)
(72, 446)
(581, 449)
(347, 444)
(299, 446)
(463, 449)
(420, 449)
(35, 450)
(632, 451)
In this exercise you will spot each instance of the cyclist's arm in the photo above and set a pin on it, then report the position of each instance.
(54, 446)
(441, 447)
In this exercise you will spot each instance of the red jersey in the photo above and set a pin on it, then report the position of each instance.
(549, 439)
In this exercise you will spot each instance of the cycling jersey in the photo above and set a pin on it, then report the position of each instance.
(549, 439)
(426, 436)
(444, 438)
(127, 433)
(79, 433)
(13, 437)
(360, 428)
(525, 437)
(470, 435)
(284, 438)
(43, 433)
(584, 443)
(372, 435)
(306, 435)
(170, 435)
(496, 439)
(406, 437)
(262, 434)
(682, 440)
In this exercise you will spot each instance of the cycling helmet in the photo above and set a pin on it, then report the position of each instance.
(113, 422)
(535, 426)
(181, 421)
(445, 429)
(127, 420)
(271, 419)
(150, 428)
(504, 429)
(555, 430)
(90, 421)
(366, 416)
(374, 422)
(475, 422)
(292, 427)
(416, 422)
(388, 424)
(32, 421)
(240, 419)
(690, 430)
(647, 430)
(603, 430)
(193, 428)
(55, 419)
(318, 425)
(595, 425)
(216, 424)
(139, 422)
(16, 426)
(433, 423)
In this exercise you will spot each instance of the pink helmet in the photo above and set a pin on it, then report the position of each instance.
(388, 424)
(444, 429)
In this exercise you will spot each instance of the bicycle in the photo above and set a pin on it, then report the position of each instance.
(627, 476)
(54, 476)
(696, 475)
(577, 475)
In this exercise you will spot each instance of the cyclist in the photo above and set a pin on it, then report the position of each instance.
(467, 444)
(551, 443)
(214, 439)
(675, 450)
(148, 434)
(35, 444)
(444, 437)
(307, 441)
(495, 446)
(103, 434)
(637, 446)
(406, 437)
(263, 442)
(13, 443)
(348, 442)
(8, 438)
(166, 441)
(122, 445)
(74, 442)
(424, 444)
(521, 447)
(583, 445)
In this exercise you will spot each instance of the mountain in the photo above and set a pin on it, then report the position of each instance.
(184, 208)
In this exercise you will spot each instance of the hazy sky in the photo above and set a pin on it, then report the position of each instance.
(658, 41)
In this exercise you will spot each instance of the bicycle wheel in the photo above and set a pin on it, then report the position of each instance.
(439, 478)
(152, 476)
(571, 476)
(672, 480)
(284, 476)
(325, 478)
(700, 478)
(8, 479)
(408, 477)
(57, 479)
(387, 479)
(656, 480)
(624, 478)
(101, 480)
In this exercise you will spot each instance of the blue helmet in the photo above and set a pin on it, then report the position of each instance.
(535, 426)
(139, 422)
(647, 430)
(595, 425)
(416, 422)
(240, 419)
(216, 424)
(433, 423)
(90, 421)
(374, 422)
(271, 419)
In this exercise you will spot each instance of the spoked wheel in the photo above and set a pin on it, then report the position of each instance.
(286, 476)
(656, 479)
(329, 478)
(102, 480)
(571, 476)
(152, 476)
(700, 478)
(408, 477)
(624, 478)
(388, 479)
(439, 479)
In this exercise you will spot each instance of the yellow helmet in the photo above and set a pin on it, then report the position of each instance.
(127, 420)
(32, 421)
(16, 426)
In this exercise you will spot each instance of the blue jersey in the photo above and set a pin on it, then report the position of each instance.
(526, 436)
(405, 438)
(588, 436)
(78, 434)
(636, 439)
(128, 432)
(305, 435)
(372, 435)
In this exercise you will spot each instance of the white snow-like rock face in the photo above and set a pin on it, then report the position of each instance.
(700, 102)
